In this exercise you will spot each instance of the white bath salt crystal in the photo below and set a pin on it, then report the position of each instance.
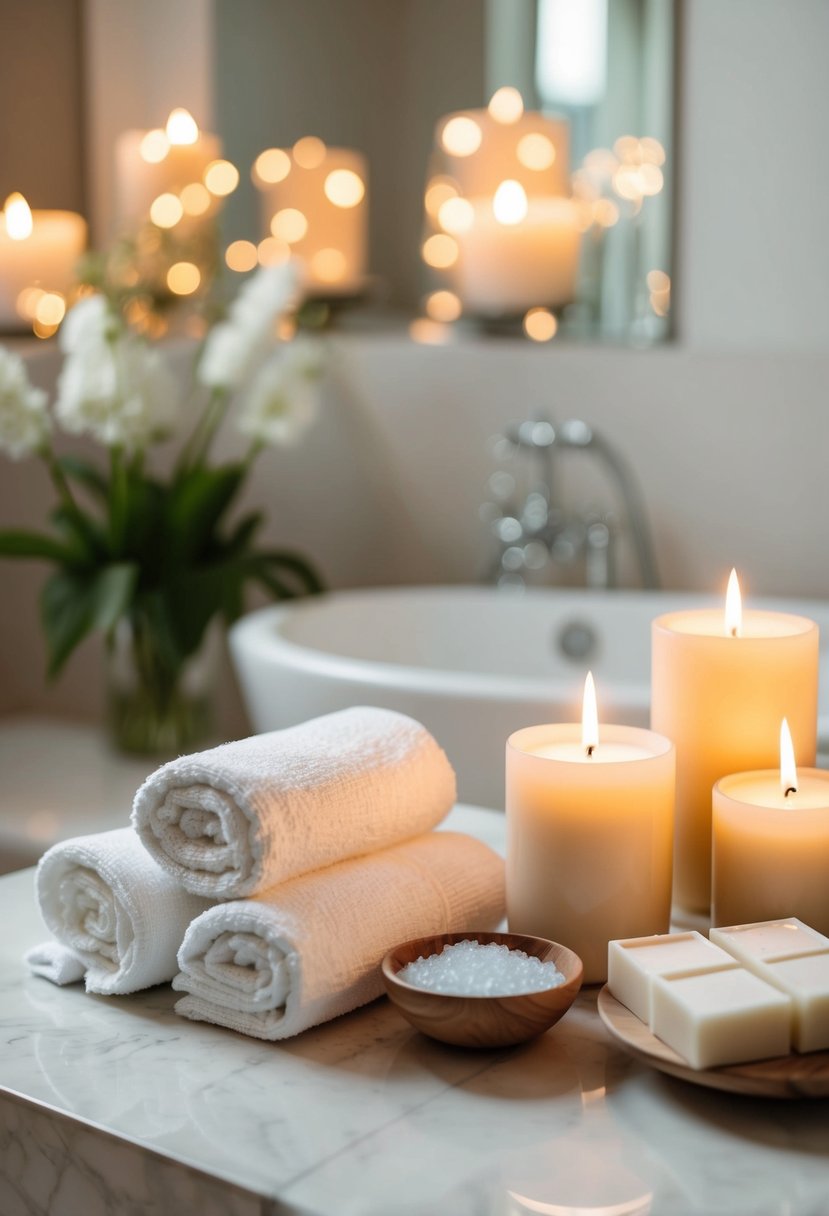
(471, 969)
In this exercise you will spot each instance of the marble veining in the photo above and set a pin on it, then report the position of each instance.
(115, 1104)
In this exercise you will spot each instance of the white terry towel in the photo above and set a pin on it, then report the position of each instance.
(310, 950)
(107, 902)
(243, 817)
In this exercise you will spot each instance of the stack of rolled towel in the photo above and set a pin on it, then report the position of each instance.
(268, 877)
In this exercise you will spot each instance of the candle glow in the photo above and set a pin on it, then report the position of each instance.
(788, 768)
(18, 216)
(182, 127)
(589, 716)
(733, 607)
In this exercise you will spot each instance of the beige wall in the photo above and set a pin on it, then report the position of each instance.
(41, 118)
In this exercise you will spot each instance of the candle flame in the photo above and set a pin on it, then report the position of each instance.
(509, 204)
(733, 607)
(788, 768)
(182, 127)
(589, 716)
(18, 217)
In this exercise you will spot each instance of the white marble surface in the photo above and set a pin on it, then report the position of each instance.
(364, 1116)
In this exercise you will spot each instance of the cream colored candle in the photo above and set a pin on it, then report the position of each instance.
(589, 837)
(719, 692)
(770, 856)
(157, 164)
(315, 206)
(527, 257)
(37, 249)
(481, 148)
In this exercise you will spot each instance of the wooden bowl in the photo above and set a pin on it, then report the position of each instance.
(482, 1021)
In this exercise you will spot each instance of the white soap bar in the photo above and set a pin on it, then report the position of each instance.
(769, 939)
(632, 964)
(721, 1017)
(795, 958)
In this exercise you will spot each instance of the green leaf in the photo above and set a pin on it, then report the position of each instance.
(85, 537)
(34, 544)
(280, 564)
(74, 603)
(239, 540)
(87, 474)
(197, 502)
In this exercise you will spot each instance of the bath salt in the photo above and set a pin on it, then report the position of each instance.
(471, 969)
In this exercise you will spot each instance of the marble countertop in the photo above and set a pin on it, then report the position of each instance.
(366, 1117)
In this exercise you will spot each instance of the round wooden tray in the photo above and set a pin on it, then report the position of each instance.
(792, 1076)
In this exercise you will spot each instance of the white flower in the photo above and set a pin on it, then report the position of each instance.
(235, 347)
(89, 321)
(24, 421)
(116, 388)
(284, 397)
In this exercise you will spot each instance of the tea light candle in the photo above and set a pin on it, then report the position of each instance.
(151, 165)
(315, 205)
(37, 249)
(589, 834)
(770, 856)
(720, 685)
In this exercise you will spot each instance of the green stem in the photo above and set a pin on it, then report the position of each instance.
(197, 446)
(59, 480)
(118, 490)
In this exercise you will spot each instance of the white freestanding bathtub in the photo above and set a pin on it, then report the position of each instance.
(472, 663)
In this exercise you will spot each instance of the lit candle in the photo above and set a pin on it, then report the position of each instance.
(770, 855)
(315, 206)
(517, 255)
(38, 249)
(720, 685)
(589, 834)
(177, 172)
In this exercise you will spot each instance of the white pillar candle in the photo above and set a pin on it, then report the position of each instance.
(510, 267)
(315, 205)
(589, 836)
(150, 165)
(37, 249)
(770, 855)
(719, 689)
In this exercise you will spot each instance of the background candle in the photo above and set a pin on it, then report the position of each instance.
(720, 699)
(511, 267)
(153, 164)
(37, 249)
(589, 838)
(315, 205)
(771, 850)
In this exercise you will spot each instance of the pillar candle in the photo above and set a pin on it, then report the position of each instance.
(720, 698)
(150, 164)
(503, 268)
(589, 837)
(37, 249)
(770, 847)
(315, 202)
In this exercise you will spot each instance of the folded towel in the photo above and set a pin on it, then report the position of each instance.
(120, 915)
(310, 950)
(243, 817)
(56, 963)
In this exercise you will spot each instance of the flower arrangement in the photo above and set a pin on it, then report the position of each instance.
(152, 559)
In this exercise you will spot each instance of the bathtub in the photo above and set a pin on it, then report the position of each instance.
(472, 663)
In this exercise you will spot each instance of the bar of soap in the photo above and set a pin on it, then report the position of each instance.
(769, 939)
(633, 963)
(721, 1017)
(794, 958)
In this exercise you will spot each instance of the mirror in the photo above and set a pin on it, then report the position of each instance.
(379, 78)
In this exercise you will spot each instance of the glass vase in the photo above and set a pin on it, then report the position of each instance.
(157, 707)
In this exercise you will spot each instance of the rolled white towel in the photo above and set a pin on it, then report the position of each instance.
(310, 950)
(120, 915)
(243, 817)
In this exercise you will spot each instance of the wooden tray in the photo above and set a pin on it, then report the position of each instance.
(792, 1076)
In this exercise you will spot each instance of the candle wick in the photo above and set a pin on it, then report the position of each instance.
(734, 632)
(791, 790)
(590, 749)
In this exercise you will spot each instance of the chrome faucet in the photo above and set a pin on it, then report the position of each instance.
(538, 531)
